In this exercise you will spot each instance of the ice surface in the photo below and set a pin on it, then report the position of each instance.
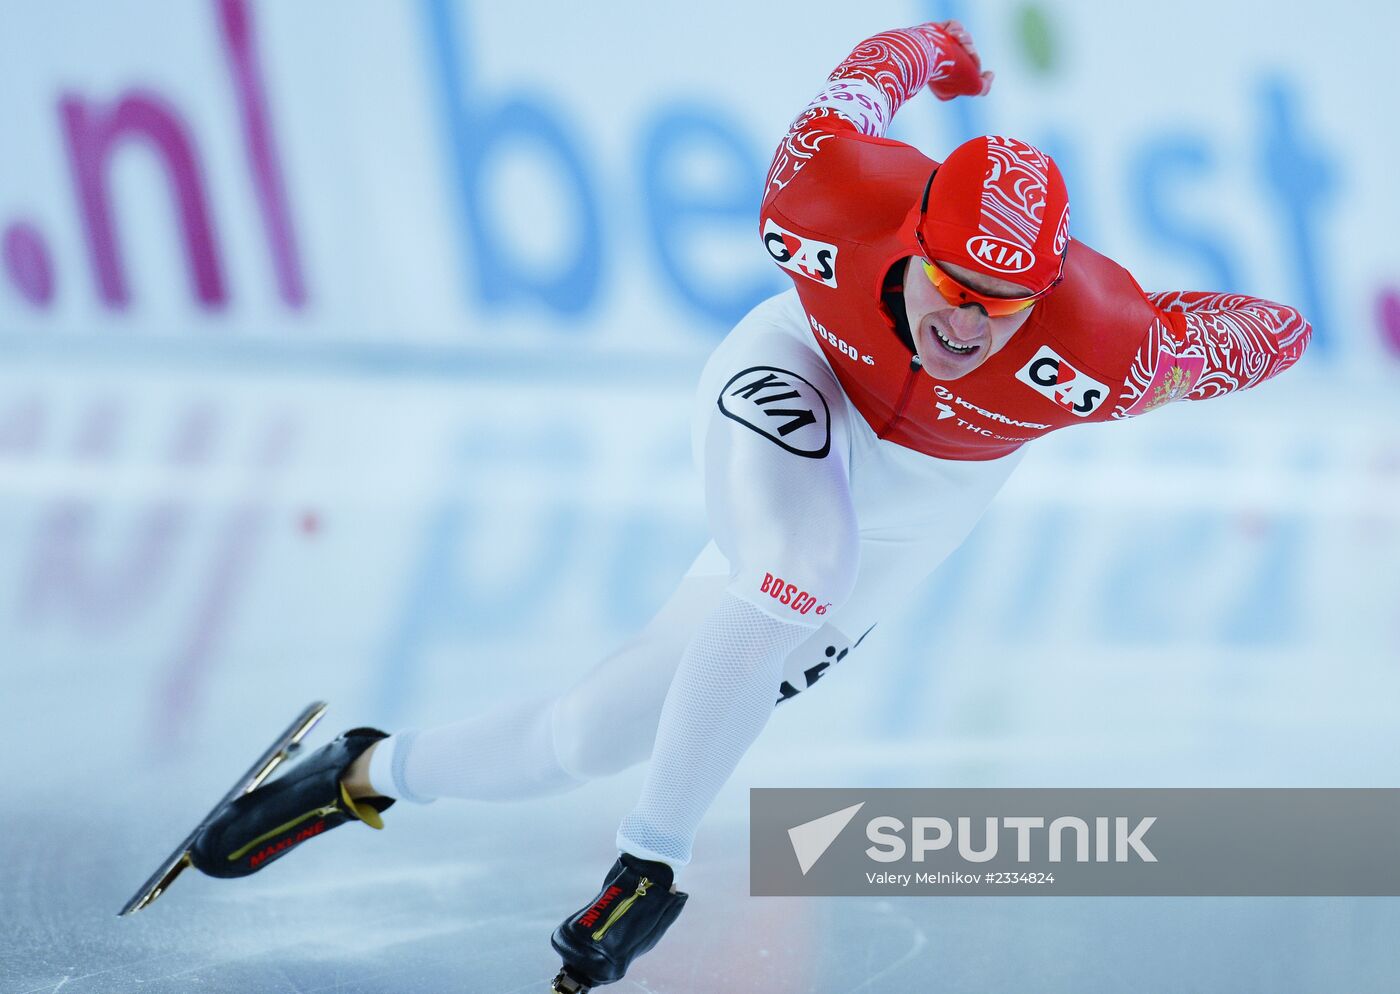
(459, 897)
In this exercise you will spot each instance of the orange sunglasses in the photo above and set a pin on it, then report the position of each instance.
(958, 295)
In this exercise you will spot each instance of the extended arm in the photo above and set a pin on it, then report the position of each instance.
(863, 92)
(1206, 344)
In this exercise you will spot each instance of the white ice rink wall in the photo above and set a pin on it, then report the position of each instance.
(346, 350)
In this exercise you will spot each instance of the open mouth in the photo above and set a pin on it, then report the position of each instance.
(955, 349)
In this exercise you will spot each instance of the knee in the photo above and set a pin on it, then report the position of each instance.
(589, 744)
(838, 561)
(811, 571)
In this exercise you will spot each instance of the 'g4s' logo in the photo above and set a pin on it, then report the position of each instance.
(804, 256)
(1052, 376)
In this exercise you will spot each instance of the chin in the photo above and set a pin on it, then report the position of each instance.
(942, 369)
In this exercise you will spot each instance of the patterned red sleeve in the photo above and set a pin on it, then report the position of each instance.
(863, 93)
(1203, 345)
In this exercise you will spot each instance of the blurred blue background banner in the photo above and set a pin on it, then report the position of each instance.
(347, 350)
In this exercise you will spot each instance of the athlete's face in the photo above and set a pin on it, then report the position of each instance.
(953, 341)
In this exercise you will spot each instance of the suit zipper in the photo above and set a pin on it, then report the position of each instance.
(915, 365)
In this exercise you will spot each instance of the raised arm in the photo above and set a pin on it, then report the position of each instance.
(865, 90)
(1207, 344)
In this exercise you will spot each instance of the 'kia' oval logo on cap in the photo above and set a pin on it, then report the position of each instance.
(1000, 254)
(1062, 232)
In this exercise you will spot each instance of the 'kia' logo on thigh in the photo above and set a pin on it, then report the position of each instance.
(782, 407)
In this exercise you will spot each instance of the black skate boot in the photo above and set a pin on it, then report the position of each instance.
(636, 905)
(306, 801)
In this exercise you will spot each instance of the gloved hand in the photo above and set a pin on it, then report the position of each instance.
(965, 78)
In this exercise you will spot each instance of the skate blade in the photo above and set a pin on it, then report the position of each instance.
(285, 746)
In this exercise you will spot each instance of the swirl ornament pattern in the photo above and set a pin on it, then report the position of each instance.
(862, 94)
(1222, 342)
(1014, 190)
